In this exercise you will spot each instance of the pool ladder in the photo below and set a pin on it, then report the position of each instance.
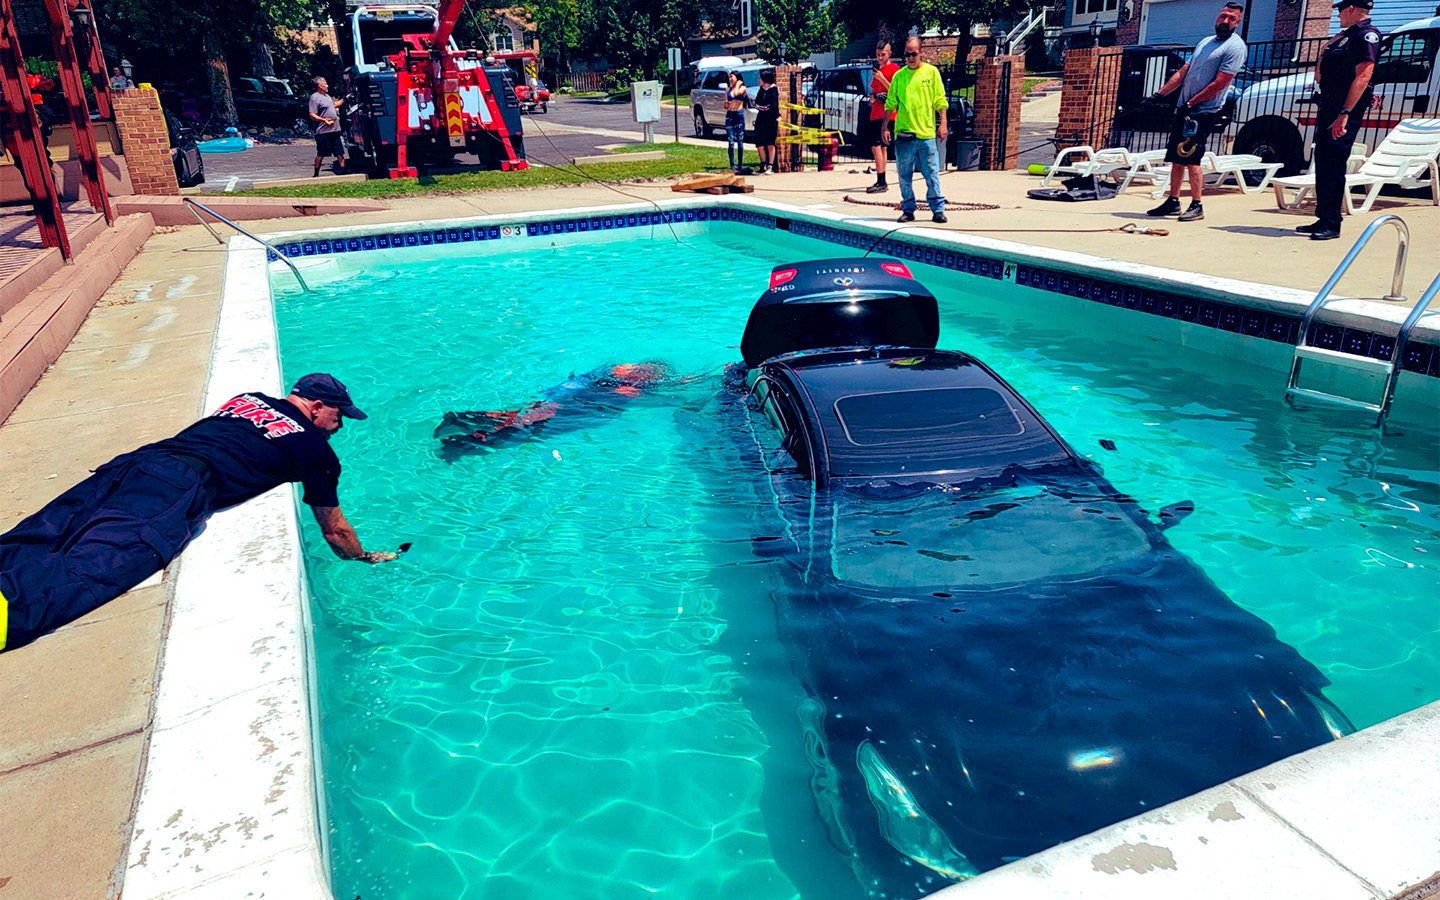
(1389, 368)
(195, 206)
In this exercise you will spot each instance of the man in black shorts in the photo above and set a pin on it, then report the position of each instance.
(1203, 83)
(328, 140)
(138, 511)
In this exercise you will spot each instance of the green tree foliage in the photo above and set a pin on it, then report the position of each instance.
(953, 17)
(803, 26)
(634, 34)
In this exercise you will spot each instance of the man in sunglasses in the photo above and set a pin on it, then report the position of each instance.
(917, 99)
(137, 512)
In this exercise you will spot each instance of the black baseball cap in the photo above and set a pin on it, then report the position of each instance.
(327, 389)
(1358, 4)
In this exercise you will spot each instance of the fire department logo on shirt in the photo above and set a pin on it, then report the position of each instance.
(260, 414)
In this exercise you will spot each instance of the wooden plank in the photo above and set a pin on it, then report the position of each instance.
(705, 182)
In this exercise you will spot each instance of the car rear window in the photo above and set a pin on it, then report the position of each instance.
(899, 417)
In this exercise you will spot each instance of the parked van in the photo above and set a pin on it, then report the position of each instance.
(1275, 119)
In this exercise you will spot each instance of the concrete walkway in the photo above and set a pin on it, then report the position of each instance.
(77, 703)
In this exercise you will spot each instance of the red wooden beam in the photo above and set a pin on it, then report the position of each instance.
(87, 43)
(23, 138)
(68, 63)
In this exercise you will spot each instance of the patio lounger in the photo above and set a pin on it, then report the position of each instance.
(1100, 163)
(1408, 152)
(1304, 185)
(1228, 165)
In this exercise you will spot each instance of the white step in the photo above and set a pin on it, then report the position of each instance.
(1348, 360)
(1334, 399)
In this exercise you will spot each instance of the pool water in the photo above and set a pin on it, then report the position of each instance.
(572, 684)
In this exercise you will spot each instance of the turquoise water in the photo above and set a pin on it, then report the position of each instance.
(573, 684)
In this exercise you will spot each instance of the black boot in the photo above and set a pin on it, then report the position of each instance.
(1313, 227)
(1171, 207)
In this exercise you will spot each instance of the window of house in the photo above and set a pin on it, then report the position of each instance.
(504, 41)
(1093, 8)
(1406, 58)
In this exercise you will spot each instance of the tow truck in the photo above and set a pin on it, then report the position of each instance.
(417, 98)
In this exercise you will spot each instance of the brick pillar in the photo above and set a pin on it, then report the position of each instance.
(1127, 31)
(1087, 98)
(145, 142)
(785, 153)
(1317, 20)
(994, 110)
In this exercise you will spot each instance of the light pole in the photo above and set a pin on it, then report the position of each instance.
(1095, 32)
(781, 48)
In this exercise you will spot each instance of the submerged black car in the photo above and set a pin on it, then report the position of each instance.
(1002, 651)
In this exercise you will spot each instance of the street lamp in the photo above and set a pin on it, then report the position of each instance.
(781, 48)
(80, 18)
(126, 68)
(1095, 32)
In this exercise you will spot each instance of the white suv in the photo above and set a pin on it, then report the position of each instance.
(1276, 118)
(707, 98)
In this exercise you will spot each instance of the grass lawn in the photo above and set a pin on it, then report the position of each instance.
(1029, 83)
(680, 159)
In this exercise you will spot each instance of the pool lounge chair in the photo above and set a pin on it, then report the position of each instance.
(1100, 163)
(1303, 186)
(1408, 152)
(1228, 165)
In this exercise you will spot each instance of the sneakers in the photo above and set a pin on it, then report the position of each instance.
(1324, 234)
(878, 187)
(939, 217)
(1313, 227)
(1171, 207)
(1195, 213)
(906, 217)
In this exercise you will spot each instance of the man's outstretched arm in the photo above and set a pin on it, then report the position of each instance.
(343, 539)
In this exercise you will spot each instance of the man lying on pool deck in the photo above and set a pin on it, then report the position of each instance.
(137, 512)
(599, 393)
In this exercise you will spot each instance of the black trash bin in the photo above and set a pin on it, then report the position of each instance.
(965, 154)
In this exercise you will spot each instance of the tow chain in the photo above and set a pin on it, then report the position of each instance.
(957, 205)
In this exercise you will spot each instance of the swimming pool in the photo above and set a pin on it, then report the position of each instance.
(573, 682)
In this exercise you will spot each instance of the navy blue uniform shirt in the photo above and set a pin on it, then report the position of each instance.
(255, 442)
(1357, 44)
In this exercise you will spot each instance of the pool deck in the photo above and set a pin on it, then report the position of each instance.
(77, 713)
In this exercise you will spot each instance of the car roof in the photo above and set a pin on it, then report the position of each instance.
(914, 415)
(1419, 25)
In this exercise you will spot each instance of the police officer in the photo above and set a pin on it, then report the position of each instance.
(1343, 77)
(137, 512)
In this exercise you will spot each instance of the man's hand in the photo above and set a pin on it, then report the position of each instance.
(885, 135)
(942, 131)
(328, 121)
(1337, 128)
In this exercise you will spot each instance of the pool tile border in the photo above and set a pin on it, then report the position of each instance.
(1421, 357)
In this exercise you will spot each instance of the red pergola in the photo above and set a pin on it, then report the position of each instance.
(72, 30)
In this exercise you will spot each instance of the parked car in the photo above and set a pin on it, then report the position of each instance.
(707, 100)
(260, 101)
(844, 93)
(1275, 119)
(189, 164)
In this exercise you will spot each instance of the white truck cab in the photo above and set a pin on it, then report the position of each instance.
(1275, 119)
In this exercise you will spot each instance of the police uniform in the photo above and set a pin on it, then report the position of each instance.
(137, 512)
(1360, 43)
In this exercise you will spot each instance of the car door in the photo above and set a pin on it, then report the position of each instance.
(712, 100)
(853, 91)
(1404, 82)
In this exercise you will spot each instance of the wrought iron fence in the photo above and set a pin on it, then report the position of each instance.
(1271, 108)
(840, 130)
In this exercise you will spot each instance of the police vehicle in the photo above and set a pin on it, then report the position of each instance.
(1275, 119)
(844, 93)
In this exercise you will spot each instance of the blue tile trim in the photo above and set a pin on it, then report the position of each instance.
(1423, 358)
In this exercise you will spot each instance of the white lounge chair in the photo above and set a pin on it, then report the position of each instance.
(1099, 163)
(1408, 152)
(1228, 165)
(1304, 185)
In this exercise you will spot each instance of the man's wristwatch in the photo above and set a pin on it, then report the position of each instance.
(1344, 112)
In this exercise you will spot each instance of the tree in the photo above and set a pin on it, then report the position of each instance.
(955, 17)
(802, 26)
(181, 29)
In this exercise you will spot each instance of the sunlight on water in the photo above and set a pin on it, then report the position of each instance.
(573, 685)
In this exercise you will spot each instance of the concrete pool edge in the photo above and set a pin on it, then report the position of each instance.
(229, 802)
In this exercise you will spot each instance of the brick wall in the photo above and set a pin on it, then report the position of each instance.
(1317, 19)
(145, 142)
(1127, 31)
(1084, 116)
(785, 153)
(994, 110)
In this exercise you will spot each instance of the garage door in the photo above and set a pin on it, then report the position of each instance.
(1187, 21)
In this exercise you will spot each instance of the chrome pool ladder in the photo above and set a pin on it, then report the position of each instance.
(195, 206)
(1390, 368)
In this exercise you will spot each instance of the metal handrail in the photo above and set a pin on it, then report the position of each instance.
(1397, 280)
(1401, 339)
(1026, 25)
(194, 206)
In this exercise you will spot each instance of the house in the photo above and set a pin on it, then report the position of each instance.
(1184, 22)
(709, 41)
(514, 33)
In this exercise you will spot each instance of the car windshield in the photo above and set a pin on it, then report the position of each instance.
(981, 540)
